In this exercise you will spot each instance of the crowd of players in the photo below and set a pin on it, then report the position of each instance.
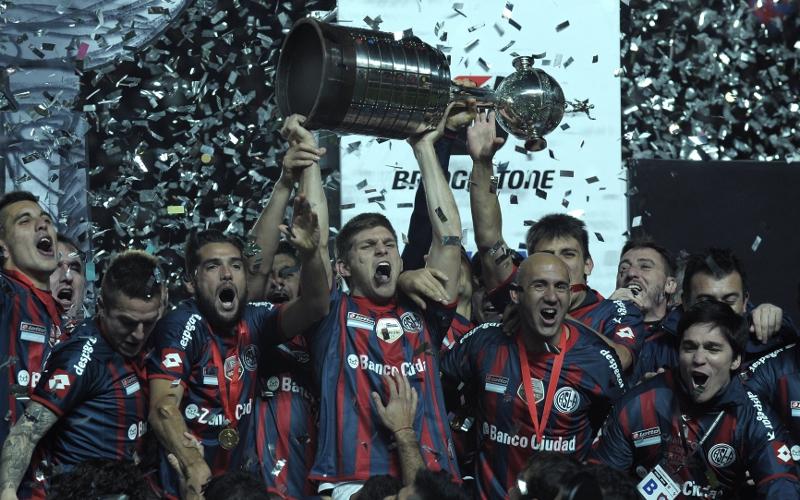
(427, 375)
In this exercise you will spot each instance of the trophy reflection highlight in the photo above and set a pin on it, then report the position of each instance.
(357, 81)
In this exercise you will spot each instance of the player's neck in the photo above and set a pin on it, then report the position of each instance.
(464, 308)
(577, 297)
(535, 343)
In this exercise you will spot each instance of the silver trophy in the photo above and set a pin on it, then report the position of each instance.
(358, 81)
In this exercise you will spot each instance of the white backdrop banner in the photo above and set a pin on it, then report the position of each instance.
(580, 173)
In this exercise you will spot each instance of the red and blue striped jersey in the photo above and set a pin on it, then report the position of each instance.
(100, 398)
(656, 423)
(618, 320)
(458, 328)
(354, 348)
(30, 328)
(489, 360)
(287, 409)
(776, 379)
(183, 354)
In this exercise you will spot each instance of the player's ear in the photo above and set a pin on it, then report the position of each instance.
(342, 269)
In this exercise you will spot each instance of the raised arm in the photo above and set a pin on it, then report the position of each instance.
(302, 154)
(311, 186)
(313, 303)
(445, 220)
(487, 221)
(19, 445)
(167, 422)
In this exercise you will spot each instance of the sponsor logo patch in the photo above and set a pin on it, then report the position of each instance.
(496, 384)
(646, 437)
(210, 376)
(566, 400)
(355, 320)
(723, 455)
(23, 377)
(794, 406)
(30, 332)
(389, 330)
(352, 361)
(131, 385)
(171, 359)
(191, 411)
(795, 453)
(59, 381)
(625, 333)
(782, 452)
(411, 322)
(538, 390)
(273, 383)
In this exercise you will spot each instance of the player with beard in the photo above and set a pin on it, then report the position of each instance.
(68, 281)
(617, 322)
(372, 332)
(207, 350)
(30, 317)
(574, 377)
(92, 391)
(698, 425)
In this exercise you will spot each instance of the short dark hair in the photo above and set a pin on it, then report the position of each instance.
(361, 222)
(236, 485)
(380, 487)
(99, 477)
(554, 226)
(614, 484)
(547, 472)
(648, 242)
(286, 248)
(717, 262)
(735, 328)
(13, 197)
(438, 485)
(66, 240)
(135, 274)
(198, 239)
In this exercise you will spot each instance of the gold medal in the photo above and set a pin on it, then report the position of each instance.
(228, 438)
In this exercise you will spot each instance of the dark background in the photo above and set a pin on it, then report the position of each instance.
(689, 205)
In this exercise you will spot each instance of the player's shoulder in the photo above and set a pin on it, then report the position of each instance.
(781, 361)
(619, 308)
(660, 389)
(184, 316)
(85, 347)
(485, 334)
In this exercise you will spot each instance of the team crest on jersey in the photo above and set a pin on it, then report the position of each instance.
(411, 322)
(233, 368)
(723, 455)
(538, 390)
(60, 381)
(30, 332)
(389, 330)
(794, 406)
(355, 320)
(566, 400)
(250, 357)
(131, 384)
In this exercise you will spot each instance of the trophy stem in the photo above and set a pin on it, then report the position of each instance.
(486, 97)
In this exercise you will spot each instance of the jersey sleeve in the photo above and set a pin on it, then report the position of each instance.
(625, 326)
(457, 364)
(609, 384)
(500, 296)
(761, 377)
(69, 377)
(265, 320)
(175, 346)
(769, 457)
(611, 446)
(438, 318)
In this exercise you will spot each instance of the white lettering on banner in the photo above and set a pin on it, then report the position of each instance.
(612, 363)
(538, 179)
(86, 356)
(407, 368)
(188, 329)
(760, 415)
(560, 444)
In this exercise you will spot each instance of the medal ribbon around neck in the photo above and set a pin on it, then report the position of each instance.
(230, 395)
(539, 425)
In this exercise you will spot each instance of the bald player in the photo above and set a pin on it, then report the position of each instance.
(573, 378)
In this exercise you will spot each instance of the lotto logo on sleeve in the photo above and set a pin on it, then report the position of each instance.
(172, 359)
(59, 381)
(782, 452)
(625, 333)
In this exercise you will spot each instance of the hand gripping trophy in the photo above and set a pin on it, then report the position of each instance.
(358, 81)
